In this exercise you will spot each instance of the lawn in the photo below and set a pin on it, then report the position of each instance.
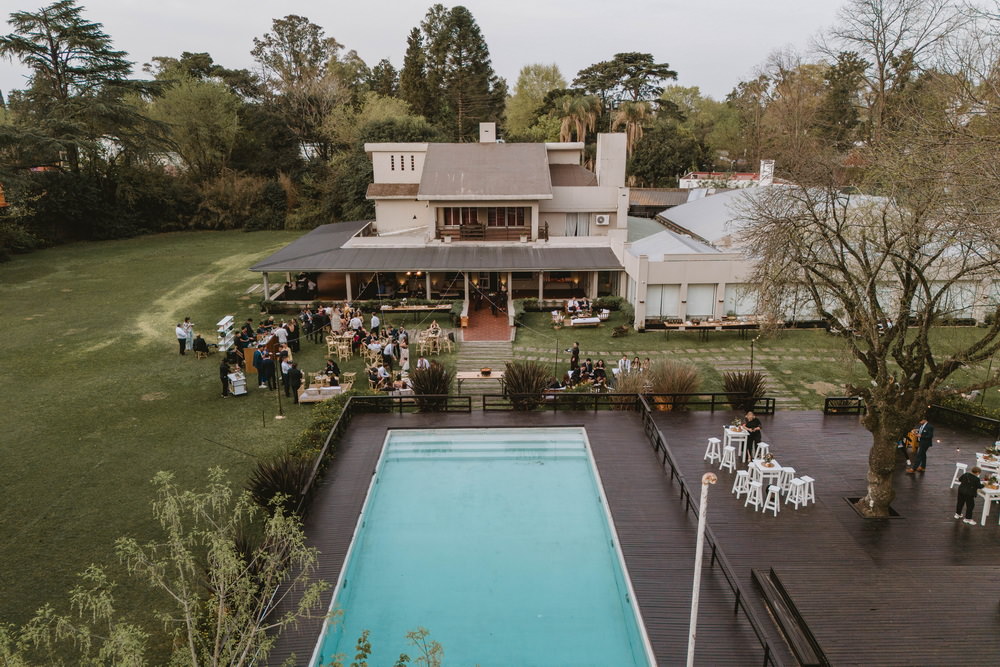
(99, 400)
(803, 365)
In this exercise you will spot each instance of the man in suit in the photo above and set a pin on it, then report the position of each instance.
(925, 434)
(224, 376)
(295, 381)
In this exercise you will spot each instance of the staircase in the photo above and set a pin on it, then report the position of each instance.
(476, 355)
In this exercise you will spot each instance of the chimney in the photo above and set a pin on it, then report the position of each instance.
(766, 173)
(487, 133)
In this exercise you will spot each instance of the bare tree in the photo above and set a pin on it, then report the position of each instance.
(897, 38)
(883, 269)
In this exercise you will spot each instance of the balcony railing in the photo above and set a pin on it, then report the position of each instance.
(484, 233)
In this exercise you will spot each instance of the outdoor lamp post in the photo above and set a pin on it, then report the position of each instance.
(707, 479)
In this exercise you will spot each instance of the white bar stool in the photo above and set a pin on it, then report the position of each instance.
(773, 502)
(810, 491)
(713, 453)
(728, 458)
(796, 493)
(754, 497)
(742, 483)
(960, 469)
(785, 478)
(761, 449)
(739, 440)
(756, 474)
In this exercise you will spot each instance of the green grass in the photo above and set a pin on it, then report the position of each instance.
(804, 364)
(98, 400)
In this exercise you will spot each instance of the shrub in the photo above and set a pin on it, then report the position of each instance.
(673, 377)
(743, 388)
(628, 383)
(519, 308)
(433, 381)
(524, 383)
(279, 481)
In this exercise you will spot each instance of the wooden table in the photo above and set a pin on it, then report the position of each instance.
(462, 376)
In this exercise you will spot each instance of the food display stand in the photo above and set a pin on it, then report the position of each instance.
(227, 335)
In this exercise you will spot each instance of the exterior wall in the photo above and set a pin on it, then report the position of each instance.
(582, 199)
(385, 156)
(611, 156)
(395, 215)
(564, 153)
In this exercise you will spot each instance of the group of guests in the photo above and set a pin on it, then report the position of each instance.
(287, 334)
(587, 371)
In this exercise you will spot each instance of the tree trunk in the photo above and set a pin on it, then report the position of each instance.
(881, 464)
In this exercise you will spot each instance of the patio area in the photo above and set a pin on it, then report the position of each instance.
(919, 589)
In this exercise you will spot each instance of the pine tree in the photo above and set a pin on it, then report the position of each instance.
(472, 90)
(413, 84)
(384, 79)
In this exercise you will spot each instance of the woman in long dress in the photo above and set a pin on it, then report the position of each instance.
(188, 327)
(404, 357)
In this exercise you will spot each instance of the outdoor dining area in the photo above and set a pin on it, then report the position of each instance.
(989, 463)
(764, 481)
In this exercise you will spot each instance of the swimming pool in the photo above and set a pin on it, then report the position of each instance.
(499, 542)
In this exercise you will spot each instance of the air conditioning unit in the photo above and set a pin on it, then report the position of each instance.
(602, 220)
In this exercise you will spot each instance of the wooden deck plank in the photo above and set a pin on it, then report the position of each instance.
(655, 533)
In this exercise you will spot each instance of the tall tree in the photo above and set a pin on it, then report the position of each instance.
(296, 57)
(895, 38)
(201, 121)
(473, 92)
(665, 152)
(840, 112)
(632, 116)
(576, 113)
(383, 79)
(628, 76)
(413, 83)
(904, 253)
(524, 106)
(76, 100)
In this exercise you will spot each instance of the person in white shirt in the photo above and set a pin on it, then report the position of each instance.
(389, 354)
(422, 363)
(355, 323)
(281, 333)
(182, 336)
(375, 323)
(286, 366)
(624, 365)
(404, 356)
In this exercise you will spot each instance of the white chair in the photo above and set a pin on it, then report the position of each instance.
(796, 493)
(742, 483)
(713, 453)
(772, 501)
(761, 449)
(809, 494)
(960, 469)
(728, 458)
(754, 497)
(785, 478)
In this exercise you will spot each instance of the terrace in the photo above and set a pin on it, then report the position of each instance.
(850, 584)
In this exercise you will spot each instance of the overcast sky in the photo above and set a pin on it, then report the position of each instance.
(712, 44)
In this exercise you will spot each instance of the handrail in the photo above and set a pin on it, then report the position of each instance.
(659, 444)
(571, 400)
(967, 419)
(843, 405)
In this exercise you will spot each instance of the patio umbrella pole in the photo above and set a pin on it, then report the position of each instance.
(706, 479)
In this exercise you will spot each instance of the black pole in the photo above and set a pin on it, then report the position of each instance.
(989, 371)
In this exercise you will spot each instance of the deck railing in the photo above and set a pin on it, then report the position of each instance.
(691, 501)
(843, 405)
(571, 400)
(953, 417)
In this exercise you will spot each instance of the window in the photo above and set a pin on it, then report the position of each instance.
(505, 216)
(455, 216)
(577, 224)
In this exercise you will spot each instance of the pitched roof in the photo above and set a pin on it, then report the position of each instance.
(392, 190)
(322, 250)
(571, 175)
(669, 242)
(657, 196)
(485, 171)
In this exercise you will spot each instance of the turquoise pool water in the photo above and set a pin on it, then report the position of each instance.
(499, 543)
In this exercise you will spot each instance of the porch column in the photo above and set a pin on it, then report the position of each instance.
(347, 283)
(534, 222)
(592, 292)
(541, 285)
(427, 284)
(267, 287)
(465, 275)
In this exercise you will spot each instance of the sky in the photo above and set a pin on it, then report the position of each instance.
(712, 44)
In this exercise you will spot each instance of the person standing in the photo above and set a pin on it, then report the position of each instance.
(925, 440)
(224, 376)
(624, 365)
(188, 326)
(968, 485)
(293, 336)
(182, 337)
(404, 356)
(389, 354)
(752, 426)
(267, 378)
(286, 366)
(295, 381)
(375, 324)
(574, 356)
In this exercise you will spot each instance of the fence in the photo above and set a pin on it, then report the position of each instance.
(691, 501)
(571, 400)
(953, 417)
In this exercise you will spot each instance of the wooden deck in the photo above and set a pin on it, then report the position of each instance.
(655, 532)
(922, 589)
